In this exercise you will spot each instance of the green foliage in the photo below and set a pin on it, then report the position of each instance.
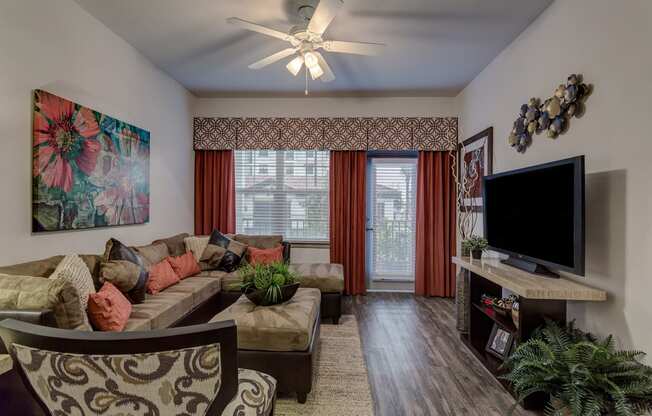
(584, 375)
(267, 277)
(475, 243)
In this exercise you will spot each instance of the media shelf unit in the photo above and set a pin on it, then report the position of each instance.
(540, 298)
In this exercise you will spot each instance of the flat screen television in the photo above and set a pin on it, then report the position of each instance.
(536, 216)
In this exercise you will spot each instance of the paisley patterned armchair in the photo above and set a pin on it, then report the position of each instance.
(180, 371)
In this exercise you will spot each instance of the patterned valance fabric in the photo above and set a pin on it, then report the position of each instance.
(336, 133)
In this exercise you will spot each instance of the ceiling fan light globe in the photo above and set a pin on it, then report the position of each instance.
(315, 71)
(311, 60)
(295, 65)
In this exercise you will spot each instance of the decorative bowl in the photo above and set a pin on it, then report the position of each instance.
(257, 296)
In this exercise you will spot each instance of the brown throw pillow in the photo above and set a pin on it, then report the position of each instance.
(224, 253)
(153, 253)
(115, 250)
(176, 245)
(122, 274)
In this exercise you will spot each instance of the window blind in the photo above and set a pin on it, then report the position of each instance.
(282, 192)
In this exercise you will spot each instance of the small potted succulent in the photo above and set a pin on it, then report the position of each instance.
(476, 245)
(268, 284)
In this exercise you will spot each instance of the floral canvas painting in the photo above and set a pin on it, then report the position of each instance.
(89, 169)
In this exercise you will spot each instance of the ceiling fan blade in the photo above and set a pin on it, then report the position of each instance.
(273, 58)
(358, 48)
(324, 15)
(258, 28)
(328, 73)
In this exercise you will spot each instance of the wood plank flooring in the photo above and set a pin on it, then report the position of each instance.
(417, 364)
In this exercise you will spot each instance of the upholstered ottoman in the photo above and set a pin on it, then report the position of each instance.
(327, 277)
(279, 340)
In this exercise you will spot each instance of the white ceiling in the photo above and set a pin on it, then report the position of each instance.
(435, 47)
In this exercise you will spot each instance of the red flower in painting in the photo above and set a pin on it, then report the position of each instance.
(63, 136)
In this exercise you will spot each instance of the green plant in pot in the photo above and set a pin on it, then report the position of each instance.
(583, 376)
(268, 284)
(475, 245)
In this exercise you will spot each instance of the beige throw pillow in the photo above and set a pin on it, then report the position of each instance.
(196, 245)
(59, 295)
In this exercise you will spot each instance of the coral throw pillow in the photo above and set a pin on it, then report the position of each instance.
(161, 276)
(185, 265)
(109, 309)
(265, 256)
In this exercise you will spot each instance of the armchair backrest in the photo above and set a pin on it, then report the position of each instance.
(187, 370)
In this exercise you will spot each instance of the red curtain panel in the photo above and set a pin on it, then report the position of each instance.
(214, 191)
(347, 191)
(436, 229)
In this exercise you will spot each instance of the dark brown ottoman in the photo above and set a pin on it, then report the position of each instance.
(280, 340)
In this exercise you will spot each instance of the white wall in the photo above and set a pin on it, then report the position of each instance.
(324, 107)
(609, 42)
(58, 47)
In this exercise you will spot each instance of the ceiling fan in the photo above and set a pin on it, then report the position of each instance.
(306, 40)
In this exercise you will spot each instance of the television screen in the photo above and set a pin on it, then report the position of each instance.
(537, 214)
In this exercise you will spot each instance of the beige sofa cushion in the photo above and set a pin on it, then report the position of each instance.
(327, 277)
(165, 308)
(284, 327)
(59, 295)
(259, 241)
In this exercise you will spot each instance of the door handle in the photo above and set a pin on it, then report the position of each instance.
(369, 229)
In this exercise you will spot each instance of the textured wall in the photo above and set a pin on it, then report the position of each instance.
(58, 47)
(609, 43)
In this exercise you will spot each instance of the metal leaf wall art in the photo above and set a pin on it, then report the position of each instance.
(552, 116)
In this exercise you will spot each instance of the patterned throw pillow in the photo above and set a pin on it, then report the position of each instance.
(109, 309)
(115, 250)
(177, 382)
(73, 269)
(265, 256)
(223, 253)
(185, 265)
(161, 276)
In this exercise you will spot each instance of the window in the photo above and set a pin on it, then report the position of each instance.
(287, 199)
(391, 212)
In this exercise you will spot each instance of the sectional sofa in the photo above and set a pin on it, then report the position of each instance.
(193, 300)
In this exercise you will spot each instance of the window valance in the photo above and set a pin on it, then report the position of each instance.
(336, 133)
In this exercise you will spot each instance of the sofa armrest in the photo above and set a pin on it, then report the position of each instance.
(43, 317)
(286, 251)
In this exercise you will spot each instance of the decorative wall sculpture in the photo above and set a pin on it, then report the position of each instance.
(552, 116)
(89, 169)
(338, 133)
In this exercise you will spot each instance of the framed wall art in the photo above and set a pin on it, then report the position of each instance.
(475, 161)
(89, 170)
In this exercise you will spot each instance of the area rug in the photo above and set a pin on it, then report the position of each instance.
(340, 385)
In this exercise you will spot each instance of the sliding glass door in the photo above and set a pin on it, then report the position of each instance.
(391, 212)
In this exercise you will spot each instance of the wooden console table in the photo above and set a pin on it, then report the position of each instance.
(540, 298)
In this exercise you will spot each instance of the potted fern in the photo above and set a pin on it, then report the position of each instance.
(582, 375)
(268, 284)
